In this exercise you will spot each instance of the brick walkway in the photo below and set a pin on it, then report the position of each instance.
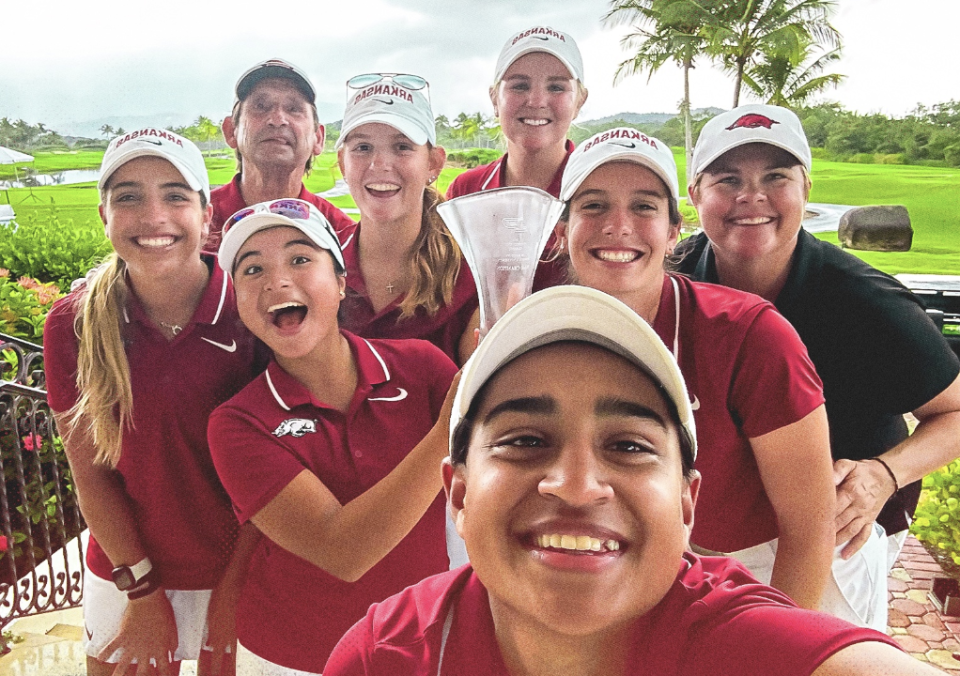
(913, 619)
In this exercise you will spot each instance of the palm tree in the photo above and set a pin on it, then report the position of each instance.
(663, 31)
(783, 80)
(746, 30)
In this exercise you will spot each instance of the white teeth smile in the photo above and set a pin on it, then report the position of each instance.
(155, 242)
(617, 256)
(579, 543)
(383, 187)
(282, 306)
(757, 220)
(534, 122)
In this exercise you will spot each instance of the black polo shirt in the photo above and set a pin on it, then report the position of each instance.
(874, 347)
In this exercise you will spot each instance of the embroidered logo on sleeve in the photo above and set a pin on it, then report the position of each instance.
(295, 427)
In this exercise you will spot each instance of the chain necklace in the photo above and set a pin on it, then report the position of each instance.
(174, 328)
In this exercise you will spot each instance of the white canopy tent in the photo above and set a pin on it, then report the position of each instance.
(14, 157)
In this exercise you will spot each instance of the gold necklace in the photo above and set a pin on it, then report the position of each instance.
(174, 328)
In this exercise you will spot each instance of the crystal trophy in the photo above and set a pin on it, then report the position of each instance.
(501, 233)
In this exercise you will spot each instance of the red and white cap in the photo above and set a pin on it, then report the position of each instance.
(153, 142)
(622, 144)
(406, 110)
(275, 68)
(578, 313)
(541, 39)
(752, 123)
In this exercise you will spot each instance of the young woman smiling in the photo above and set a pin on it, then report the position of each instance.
(878, 353)
(136, 360)
(323, 452)
(537, 92)
(405, 275)
(765, 454)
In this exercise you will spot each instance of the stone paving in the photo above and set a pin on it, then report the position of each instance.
(52, 645)
(913, 619)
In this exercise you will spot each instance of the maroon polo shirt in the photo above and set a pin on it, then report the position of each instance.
(748, 374)
(291, 612)
(182, 512)
(227, 201)
(444, 329)
(493, 175)
(716, 620)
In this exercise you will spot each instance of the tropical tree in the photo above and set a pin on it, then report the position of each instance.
(664, 31)
(745, 31)
(108, 131)
(790, 80)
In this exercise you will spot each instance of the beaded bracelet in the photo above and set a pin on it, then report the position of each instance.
(896, 484)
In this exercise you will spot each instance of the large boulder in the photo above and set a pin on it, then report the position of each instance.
(876, 228)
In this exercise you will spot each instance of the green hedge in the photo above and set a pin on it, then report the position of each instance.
(937, 519)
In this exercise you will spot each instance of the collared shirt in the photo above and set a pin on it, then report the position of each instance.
(291, 612)
(182, 513)
(494, 175)
(227, 200)
(444, 329)
(715, 620)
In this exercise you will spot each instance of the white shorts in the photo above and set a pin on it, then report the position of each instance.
(254, 665)
(104, 604)
(857, 589)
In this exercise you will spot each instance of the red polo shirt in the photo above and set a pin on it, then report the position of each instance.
(182, 513)
(493, 175)
(716, 620)
(748, 374)
(227, 201)
(443, 329)
(291, 612)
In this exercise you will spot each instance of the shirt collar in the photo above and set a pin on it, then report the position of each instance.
(215, 297)
(289, 392)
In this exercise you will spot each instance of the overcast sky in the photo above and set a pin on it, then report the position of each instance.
(76, 65)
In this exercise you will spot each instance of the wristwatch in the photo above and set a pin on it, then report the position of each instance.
(128, 577)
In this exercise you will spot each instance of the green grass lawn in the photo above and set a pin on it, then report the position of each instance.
(932, 196)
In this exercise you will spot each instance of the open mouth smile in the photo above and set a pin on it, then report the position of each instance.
(288, 315)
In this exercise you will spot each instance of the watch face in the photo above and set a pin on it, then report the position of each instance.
(123, 578)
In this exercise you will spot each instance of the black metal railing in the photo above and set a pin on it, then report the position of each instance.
(41, 553)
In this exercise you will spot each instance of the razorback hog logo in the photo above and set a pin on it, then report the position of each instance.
(159, 133)
(752, 121)
(295, 427)
(626, 134)
(385, 90)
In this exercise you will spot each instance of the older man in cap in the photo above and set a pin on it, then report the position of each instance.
(276, 134)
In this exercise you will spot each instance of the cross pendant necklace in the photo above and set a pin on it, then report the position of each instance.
(390, 288)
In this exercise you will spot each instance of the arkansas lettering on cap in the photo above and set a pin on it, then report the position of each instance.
(751, 123)
(623, 144)
(541, 39)
(406, 110)
(154, 142)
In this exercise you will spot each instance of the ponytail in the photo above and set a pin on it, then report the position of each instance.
(103, 373)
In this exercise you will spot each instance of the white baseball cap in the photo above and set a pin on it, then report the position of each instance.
(578, 313)
(388, 102)
(275, 68)
(752, 123)
(154, 142)
(622, 144)
(541, 39)
(287, 211)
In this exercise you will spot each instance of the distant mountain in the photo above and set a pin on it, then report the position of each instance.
(650, 118)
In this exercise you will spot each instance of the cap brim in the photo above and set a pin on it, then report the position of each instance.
(703, 165)
(573, 313)
(120, 159)
(239, 233)
(408, 128)
(533, 49)
(568, 190)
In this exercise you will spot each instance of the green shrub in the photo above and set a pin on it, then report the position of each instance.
(473, 157)
(820, 154)
(24, 304)
(862, 158)
(937, 519)
(890, 158)
(50, 249)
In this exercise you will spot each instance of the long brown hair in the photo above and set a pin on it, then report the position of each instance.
(434, 264)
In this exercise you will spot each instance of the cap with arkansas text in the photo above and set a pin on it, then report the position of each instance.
(574, 313)
(752, 123)
(388, 101)
(541, 39)
(619, 145)
(275, 68)
(152, 142)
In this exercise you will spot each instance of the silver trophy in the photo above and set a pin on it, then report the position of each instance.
(501, 233)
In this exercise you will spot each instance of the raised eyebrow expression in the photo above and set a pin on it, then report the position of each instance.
(607, 407)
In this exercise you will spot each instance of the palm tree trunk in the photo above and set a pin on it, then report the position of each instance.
(737, 84)
(687, 122)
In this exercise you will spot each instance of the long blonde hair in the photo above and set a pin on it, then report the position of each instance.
(105, 404)
(434, 264)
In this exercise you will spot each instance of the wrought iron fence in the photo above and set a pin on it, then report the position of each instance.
(41, 553)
